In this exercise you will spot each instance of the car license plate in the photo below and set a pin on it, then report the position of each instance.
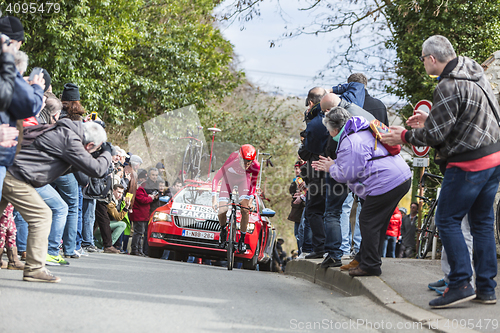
(198, 234)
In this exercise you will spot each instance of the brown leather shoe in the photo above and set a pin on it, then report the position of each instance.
(358, 272)
(352, 264)
(111, 249)
(23, 256)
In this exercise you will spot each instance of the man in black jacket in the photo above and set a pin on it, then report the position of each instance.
(373, 105)
(65, 148)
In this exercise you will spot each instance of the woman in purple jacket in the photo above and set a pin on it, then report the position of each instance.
(375, 176)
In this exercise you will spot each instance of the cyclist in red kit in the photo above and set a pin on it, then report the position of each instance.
(241, 169)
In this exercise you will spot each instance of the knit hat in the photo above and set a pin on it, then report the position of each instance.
(70, 92)
(135, 159)
(12, 27)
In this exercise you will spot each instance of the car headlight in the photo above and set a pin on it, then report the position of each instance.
(161, 216)
(250, 227)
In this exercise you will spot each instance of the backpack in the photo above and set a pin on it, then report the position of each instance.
(377, 127)
(99, 188)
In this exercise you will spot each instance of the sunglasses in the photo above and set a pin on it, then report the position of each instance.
(421, 58)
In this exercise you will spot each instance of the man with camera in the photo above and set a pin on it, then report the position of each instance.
(44, 156)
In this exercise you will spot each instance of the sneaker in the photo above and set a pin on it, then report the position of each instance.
(222, 238)
(302, 255)
(315, 255)
(111, 250)
(82, 252)
(346, 256)
(438, 284)
(440, 290)
(55, 261)
(72, 256)
(453, 296)
(485, 299)
(41, 275)
(330, 262)
(92, 249)
(352, 264)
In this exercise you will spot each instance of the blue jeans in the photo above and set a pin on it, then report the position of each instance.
(345, 225)
(79, 226)
(334, 199)
(88, 212)
(305, 234)
(59, 214)
(389, 247)
(67, 186)
(22, 232)
(3, 170)
(473, 193)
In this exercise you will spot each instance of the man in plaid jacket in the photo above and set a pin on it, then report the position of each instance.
(463, 127)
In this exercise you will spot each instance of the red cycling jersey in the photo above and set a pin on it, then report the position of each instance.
(232, 173)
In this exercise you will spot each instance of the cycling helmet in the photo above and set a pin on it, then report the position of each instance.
(248, 152)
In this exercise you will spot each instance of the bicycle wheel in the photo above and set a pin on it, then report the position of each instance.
(187, 165)
(426, 237)
(231, 241)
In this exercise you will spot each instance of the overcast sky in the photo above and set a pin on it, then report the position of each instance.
(289, 67)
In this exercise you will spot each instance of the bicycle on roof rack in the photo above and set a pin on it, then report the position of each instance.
(428, 230)
(195, 155)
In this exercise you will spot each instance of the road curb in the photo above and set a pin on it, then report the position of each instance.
(371, 286)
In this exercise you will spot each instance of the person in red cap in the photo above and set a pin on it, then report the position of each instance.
(240, 169)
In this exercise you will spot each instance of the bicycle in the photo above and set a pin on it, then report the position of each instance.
(192, 156)
(428, 230)
(231, 244)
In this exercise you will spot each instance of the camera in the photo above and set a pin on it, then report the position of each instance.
(155, 193)
(7, 39)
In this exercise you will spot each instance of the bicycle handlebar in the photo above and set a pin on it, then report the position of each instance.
(429, 175)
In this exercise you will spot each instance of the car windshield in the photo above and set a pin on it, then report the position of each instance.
(195, 196)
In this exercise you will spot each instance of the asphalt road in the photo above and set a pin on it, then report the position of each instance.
(121, 293)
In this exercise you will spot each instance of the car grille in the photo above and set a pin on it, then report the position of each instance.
(191, 223)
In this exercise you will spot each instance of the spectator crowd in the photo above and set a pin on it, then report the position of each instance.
(66, 191)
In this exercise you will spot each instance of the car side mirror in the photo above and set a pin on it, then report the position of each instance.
(165, 199)
(267, 212)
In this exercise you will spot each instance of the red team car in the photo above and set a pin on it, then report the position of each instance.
(188, 225)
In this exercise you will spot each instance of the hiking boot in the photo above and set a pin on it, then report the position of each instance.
(330, 262)
(438, 284)
(453, 296)
(41, 275)
(14, 262)
(485, 299)
(352, 264)
(111, 249)
(222, 238)
(55, 261)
